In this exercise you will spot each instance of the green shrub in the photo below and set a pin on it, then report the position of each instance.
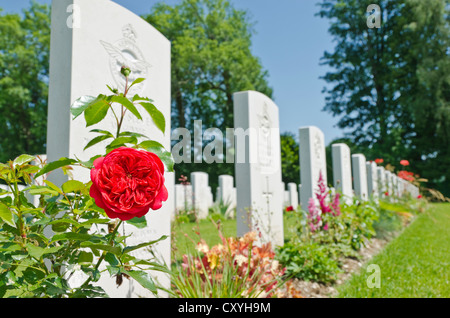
(309, 261)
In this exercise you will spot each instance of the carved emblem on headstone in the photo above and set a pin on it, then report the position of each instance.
(125, 52)
(265, 141)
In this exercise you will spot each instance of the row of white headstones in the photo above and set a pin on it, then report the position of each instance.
(371, 184)
(86, 53)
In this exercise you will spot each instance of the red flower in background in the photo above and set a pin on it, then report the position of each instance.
(406, 175)
(127, 182)
(404, 162)
(379, 160)
(419, 196)
(289, 208)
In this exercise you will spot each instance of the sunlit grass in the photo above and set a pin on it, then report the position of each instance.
(415, 264)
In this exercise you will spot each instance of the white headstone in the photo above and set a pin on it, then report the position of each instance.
(226, 192)
(293, 195)
(312, 162)
(200, 193)
(180, 198)
(381, 181)
(372, 180)
(258, 166)
(359, 176)
(388, 180)
(342, 170)
(85, 56)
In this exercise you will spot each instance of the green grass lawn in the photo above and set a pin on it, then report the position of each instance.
(415, 264)
(185, 233)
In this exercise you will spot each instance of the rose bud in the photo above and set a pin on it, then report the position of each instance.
(125, 71)
(127, 183)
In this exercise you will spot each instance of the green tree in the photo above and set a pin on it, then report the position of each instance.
(390, 84)
(290, 158)
(211, 59)
(24, 63)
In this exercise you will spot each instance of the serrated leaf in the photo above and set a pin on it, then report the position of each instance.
(85, 257)
(132, 134)
(137, 81)
(73, 186)
(150, 144)
(101, 131)
(6, 215)
(122, 140)
(77, 237)
(103, 247)
(55, 165)
(143, 278)
(22, 159)
(156, 115)
(80, 105)
(140, 223)
(96, 111)
(53, 186)
(41, 190)
(96, 140)
(129, 105)
(135, 247)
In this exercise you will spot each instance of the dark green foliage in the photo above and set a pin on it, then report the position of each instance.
(24, 64)
(390, 85)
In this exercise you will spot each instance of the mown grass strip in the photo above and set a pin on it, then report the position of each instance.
(415, 264)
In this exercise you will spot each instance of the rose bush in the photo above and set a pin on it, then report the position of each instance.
(127, 182)
(50, 232)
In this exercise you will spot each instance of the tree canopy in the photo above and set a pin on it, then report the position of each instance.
(391, 84)
(211, 60)
(24, 64)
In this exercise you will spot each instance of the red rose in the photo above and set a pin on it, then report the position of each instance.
(289, 208)
(379, 160)
(127, 182)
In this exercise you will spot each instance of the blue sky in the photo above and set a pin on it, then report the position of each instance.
(289, 40)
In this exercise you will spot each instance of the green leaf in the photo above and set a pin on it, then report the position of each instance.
(6, 214)
(96, 140)
(22, 159)
(55, 165)
(77, 237)
(132, 134)
(144, 279)
(41, 190)
(158, 149)
(122, 141)
(129, 105)
(96, 111)
(73, 186)
(150, 144)
(156, 115)
(80, 105)
(53, 186)
(137, 97)
(112, 259)
(85, 257)
(104, 247)
(135, 247)
(140, 223)
(37, 252)
(101, 131)
(137, 81)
